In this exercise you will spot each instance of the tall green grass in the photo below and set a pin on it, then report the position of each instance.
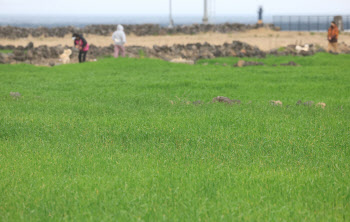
(116, 140)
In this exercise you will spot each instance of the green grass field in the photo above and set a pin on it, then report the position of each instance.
(5, 51)
(102, 141)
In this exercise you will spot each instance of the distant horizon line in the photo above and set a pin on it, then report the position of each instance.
(174, 15)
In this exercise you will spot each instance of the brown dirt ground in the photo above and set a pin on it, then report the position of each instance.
(262, 38)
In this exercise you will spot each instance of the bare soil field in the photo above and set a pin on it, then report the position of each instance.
(262, 38)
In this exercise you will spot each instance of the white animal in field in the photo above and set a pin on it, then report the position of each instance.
(299, 48)
(65, 56)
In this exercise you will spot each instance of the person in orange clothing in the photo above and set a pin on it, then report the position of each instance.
(333, 33)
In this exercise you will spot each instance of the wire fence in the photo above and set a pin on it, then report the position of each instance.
(307, 23)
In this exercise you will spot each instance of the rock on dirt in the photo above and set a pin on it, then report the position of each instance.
(291, 63)
(181, 60)
(242, 63)
(293, 50)
(15, 95)
(344, 48)
(309, 103)
(12, 32)
(222, 99)
(198, 102)
(188, 53)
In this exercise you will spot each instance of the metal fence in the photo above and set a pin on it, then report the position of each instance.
(307, 23)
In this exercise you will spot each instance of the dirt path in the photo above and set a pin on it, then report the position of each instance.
(264, 39)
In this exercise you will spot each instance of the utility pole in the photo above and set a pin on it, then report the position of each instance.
(205, 17)
(260, 15)
(171, 21)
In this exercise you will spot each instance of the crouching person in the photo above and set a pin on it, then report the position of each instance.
(81, 44)
(119, 41)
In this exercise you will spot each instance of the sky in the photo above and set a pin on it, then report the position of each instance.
(180, 7)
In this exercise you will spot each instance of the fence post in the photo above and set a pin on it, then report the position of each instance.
(290, 21)
(281, 22)
(328, 22)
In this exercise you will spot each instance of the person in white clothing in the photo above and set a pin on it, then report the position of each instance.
(119, 41)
